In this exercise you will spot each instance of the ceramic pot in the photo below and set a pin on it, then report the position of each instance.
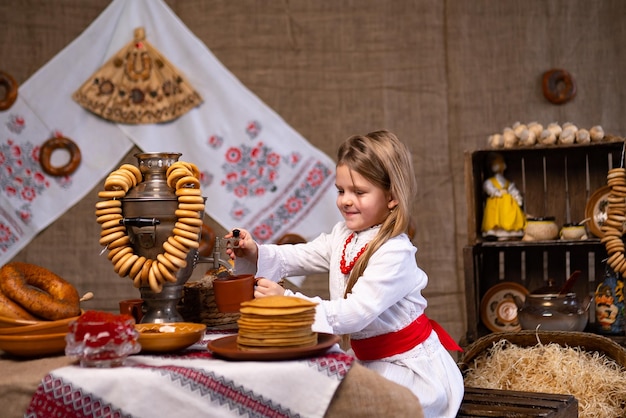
(553, 312)
(231, 291)
(573, 232)
(541, 229)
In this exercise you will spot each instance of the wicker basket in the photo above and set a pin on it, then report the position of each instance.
(585, 340)
(198, 303)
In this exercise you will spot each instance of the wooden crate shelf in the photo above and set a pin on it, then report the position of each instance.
(532, 263)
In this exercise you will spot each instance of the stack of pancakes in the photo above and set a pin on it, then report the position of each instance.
(275, 322)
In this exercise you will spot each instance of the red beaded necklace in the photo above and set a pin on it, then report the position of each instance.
(346, 269)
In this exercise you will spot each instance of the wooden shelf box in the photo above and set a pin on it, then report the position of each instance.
(555, 181)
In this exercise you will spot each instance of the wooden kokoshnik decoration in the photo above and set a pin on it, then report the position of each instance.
(137, 86)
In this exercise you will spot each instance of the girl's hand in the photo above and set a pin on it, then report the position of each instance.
(266, 287)
(244, 247)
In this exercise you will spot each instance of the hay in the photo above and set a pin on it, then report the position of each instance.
(597, 381)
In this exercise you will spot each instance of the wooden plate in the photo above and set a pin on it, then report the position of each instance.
(226, 347)
(33, 345)
(39, 327)
(498, 309)
(6, 322)
(595, 210)
(169, 337)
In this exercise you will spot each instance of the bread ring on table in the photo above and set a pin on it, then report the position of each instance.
(53, 144)
(10, 309)
(10, 86)
(39, 291)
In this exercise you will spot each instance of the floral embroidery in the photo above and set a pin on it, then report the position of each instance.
(294, 204)
(21, 176)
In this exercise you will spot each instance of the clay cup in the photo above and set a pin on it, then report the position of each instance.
(231, 291)
(132, 307)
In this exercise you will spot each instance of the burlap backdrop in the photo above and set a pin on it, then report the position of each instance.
(441, 74)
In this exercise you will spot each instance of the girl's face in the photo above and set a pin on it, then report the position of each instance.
(361, 203)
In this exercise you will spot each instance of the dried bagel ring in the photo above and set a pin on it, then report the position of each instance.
(104, 204)
(187, 242)
(111, 194)
(184, 177)
(169, 248)
(558, 86)
(183, 213)
(185, 234)
(191, 221)
(187, 227)
(10, 86)
(51, 145)
(108, 211)
(175, 260)
(155, 285)
(137, 266)
(196, 207)
(134, 170)
(176, 244)
(188, 191)
(191, 199)
(188, 182)
(127, 265)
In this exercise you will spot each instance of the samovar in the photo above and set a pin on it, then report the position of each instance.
(148, 211)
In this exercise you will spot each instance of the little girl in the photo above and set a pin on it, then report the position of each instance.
(374, 281)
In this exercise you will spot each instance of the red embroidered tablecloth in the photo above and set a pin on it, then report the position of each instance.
(193, 383)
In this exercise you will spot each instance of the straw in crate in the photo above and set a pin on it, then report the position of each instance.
(589, 366)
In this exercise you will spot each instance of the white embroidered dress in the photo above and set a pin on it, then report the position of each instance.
(386, 298)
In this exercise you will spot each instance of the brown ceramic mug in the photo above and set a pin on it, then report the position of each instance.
(231, 291)
(132, 307)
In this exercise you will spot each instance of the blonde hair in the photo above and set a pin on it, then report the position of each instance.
(383, 160)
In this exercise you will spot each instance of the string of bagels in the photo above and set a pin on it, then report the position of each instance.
(183, 177)
(613, 227)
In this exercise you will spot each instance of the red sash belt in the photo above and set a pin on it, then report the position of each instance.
(397, 342)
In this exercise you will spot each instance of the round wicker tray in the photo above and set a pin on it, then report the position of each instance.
(585, 340)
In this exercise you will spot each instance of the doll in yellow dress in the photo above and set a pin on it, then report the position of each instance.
(503, 217)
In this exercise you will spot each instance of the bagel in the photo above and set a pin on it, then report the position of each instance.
(52, 145)
(39, 291)
(10, 87)
(144, 271)
(558, 86)
(10, 309)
